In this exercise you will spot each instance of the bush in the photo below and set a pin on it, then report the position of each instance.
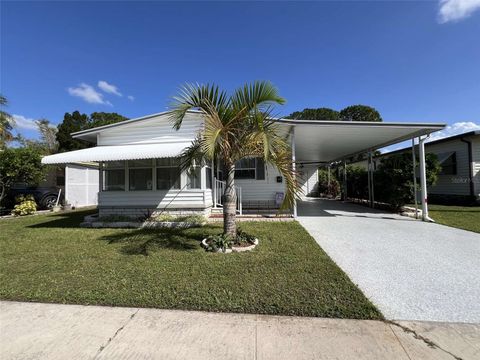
(394, 178)
(324, 188)
(195, 219)
(219, 242)
(357, 182)
(26, 205)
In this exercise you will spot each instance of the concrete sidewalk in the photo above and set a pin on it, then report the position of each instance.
(51, 331)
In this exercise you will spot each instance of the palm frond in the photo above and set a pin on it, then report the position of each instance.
(256, 95)
(204, 98)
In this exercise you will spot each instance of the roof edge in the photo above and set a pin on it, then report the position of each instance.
(361, 123)
(450, 138)
(125, 122)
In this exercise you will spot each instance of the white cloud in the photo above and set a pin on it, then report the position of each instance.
(21, 122)
(109, 88)
(88, 93)
(456, 10)
(130, 97)
(454, 129)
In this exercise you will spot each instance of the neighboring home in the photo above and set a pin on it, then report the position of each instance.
(140, 170)
(459, 157)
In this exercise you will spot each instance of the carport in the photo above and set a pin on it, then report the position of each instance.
(317, 142)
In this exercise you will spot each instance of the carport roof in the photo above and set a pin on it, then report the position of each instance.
(328, 141)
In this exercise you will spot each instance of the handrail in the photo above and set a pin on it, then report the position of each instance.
(219, 189)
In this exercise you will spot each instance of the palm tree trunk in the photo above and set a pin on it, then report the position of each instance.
(229, 203)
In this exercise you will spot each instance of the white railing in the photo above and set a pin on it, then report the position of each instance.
(219, 190)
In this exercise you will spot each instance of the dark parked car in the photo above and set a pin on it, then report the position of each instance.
(45, 197)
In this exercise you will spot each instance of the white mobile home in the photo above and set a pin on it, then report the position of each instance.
(140, 173)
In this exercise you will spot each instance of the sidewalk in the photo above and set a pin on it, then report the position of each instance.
(50, 331)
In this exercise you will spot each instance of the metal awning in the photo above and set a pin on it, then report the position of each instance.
(327, 141)
(118, 152)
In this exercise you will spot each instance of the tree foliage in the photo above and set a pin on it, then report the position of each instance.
(360, 113)
(19, 165)
(393, 179)
(315, 114)
(6, 123)
(77, 122)
(236, 126)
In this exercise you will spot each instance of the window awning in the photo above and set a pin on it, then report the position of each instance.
(118, 152)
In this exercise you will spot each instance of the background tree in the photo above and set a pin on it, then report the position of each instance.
(315, 114)
(6, 123)
(71, 123)
(76, 122)
(360, 113)
(48, 135)
(19, 165)
(103, 118)
(236, 127)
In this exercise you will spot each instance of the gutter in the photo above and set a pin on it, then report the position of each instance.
(470, 167)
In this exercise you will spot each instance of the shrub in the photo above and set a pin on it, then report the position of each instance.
(326, 189)
(195, 219)
(394, 178)
(219, 242)
(243, 237)
(357, 182)
(26, 205)
(164, 217)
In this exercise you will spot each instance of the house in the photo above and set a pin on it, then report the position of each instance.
(459, 157)
(140, 170)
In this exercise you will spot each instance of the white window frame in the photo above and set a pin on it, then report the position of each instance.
(255, 170)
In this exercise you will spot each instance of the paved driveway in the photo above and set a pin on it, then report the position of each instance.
(410, 269)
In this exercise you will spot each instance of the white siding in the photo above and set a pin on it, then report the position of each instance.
(81, 185)
(476, 164)
(308, 179)
(452, 184)
(155, 130)
(172, 199)
(261, 190)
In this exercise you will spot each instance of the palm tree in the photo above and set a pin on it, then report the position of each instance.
(236, 126)
(6, 123)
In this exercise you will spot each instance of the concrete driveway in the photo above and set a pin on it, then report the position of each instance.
(410, 269)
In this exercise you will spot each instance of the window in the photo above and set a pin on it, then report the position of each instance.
(208, 169)
(168, 174)
(114, 176)
(140, 175)
(194, 177)
(448, 162)
(250, 168)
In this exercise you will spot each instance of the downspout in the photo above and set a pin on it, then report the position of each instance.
(470, 167)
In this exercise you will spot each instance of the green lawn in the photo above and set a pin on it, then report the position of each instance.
(48, 258)
(463, 217)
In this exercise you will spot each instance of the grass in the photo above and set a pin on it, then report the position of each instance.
(47, 258)
(462, 217)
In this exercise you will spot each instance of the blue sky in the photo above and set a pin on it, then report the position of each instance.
(413, 61)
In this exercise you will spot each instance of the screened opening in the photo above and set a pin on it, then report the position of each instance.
(194, 178)
(140, 175)
(209, 177)
(168, 174)
(114, 176)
